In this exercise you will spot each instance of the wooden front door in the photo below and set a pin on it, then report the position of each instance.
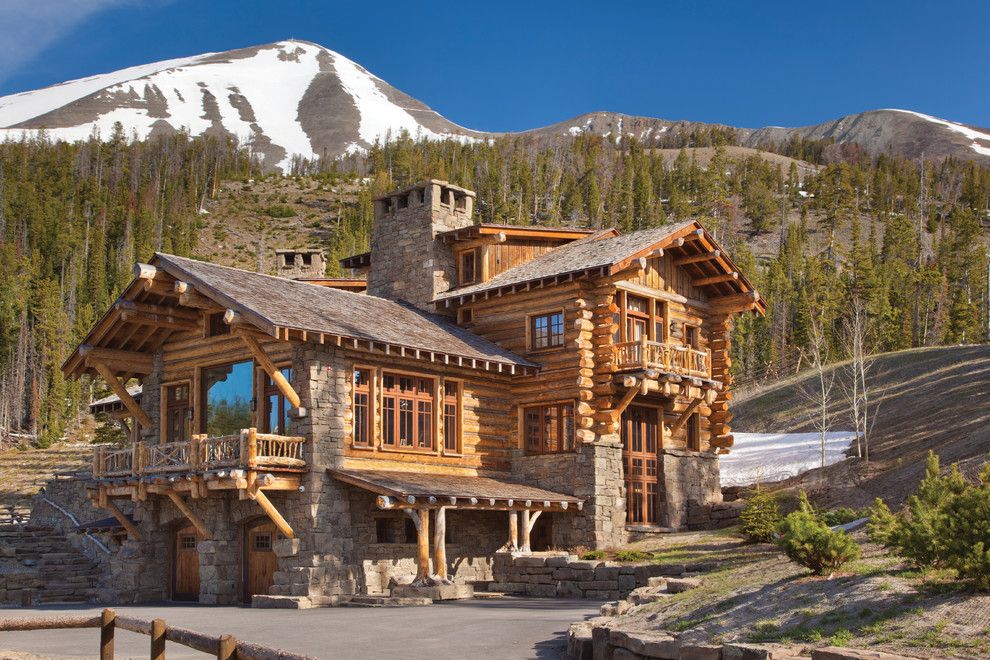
(260, 562)
(185, 579)
(639, 461)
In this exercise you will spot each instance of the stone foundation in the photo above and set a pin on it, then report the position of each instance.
(686, 476)
(718, 515)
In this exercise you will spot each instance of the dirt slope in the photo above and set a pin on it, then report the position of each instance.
(937, 398)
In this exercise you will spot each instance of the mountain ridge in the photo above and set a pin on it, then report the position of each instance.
(297, 98)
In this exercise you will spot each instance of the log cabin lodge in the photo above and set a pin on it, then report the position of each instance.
(472, 389)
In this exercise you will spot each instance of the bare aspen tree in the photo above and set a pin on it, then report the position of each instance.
(858, 395)
(819, 392)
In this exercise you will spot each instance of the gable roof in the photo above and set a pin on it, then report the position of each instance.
(607, 252)
(274, 303)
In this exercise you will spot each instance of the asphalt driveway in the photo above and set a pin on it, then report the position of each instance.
(489, 629)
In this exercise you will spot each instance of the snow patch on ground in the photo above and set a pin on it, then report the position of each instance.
(768, 457)
(972, 134)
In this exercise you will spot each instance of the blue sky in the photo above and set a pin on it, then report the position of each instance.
(516, 65)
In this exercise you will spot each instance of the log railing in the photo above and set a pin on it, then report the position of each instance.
(672, 358)
(248, 449)
(224, 647)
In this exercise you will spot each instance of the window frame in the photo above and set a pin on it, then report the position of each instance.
(531, 321)
(458, 417)
(415, 412)
(372, 394)
(266, 387)
(200, 415)
(166, 408)
(563, 440)
(692, 432)
(474, 254)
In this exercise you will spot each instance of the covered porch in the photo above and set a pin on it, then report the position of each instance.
(420, 494)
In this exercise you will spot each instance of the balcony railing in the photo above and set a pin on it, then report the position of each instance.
(672, 358)
(248, 450)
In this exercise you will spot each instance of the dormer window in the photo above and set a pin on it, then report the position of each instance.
(467, 269)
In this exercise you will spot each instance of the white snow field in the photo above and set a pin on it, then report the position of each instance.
(768, 457)
(974, 135)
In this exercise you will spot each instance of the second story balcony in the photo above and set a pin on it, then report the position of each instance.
(667, 357)
(248, 450)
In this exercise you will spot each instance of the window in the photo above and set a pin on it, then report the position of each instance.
(694, 432)
(187, 542)
(177, 413)
(451, 418)
(262, 541)
(637, 318)
(407, 412)
(276, 405)
(362, 407)
(465, 315)
(549, 429)
(468, 267)
(227, 398)
(546, 331)
(216, 326)
(692, 336)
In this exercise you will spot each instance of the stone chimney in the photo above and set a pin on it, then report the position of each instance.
(408, 261)
(300, 264)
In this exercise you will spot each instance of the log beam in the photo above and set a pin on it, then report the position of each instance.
(627, 398)
(133, 361)
(266, 363)
(682, 420)
(273, 514)
(122, 393)
(124, 521)
(716, 279)
(181, 505)
(698, 258)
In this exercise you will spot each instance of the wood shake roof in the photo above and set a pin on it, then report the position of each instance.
(275, 302)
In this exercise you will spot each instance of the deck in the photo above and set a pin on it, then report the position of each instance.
(667, 357)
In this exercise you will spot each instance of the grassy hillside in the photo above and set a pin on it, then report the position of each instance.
(936, 398)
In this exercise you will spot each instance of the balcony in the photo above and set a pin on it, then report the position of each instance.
(671, 358)
(248, 450)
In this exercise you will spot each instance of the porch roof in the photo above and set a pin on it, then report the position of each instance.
(490, 492)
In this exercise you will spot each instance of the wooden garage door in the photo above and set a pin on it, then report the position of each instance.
(259, 558)
(185, 584)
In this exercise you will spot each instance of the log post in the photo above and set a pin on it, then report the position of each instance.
(275, 374)
(121, 518)
(122, 394)
(227, 647)
(157, 639)
(181, 505)
(525, 531)
(107, 625)
(423, 547)
(440, 545)
(513, 530)
(273, 513)
(252, 447)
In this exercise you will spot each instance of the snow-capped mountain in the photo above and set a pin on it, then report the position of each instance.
(283, 99)
(299, 98)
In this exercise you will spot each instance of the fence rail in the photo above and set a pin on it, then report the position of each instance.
(224, 647)
(248, 449)
(673, 358)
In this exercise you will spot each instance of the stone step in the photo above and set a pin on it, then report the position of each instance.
(384, 601)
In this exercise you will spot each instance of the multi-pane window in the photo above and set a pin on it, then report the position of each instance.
(362, 407)
(468, 270)
(451, 418)
(546, 331)
(177, 413)
(276, 406)
(637, 318)
(407, 412)
(549, 429)
(692, 336)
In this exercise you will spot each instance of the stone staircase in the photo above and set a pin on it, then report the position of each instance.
(41, 561)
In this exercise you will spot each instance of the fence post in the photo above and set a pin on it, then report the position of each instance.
(107, 624)
(227, 648)
(252, 447)
(158, 639)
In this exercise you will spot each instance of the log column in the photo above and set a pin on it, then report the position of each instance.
(440, 545)
(525, 531)
(721, 345)
(422, 519)
(513, 531)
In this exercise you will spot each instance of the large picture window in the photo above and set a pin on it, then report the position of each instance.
(546, 331)
(227, 394)
(549, 429)
(407, 412)
(276, 405)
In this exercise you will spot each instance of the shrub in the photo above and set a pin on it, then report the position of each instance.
(631, 555)
(840, 516)
(967, 532)
(279, 211)
(760, 518)
(809, 542)
(593, 554)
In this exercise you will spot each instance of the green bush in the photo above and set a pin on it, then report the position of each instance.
(279, 211)
(631, 555)
(760, 518)
(967, 532)
(840, 516)
(593, 554)
(809, 542)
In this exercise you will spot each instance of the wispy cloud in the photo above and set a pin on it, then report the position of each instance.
(30, 26)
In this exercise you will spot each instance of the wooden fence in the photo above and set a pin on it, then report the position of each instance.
(224, 647)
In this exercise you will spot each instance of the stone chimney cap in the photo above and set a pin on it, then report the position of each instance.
(425, 183)
(298, 251)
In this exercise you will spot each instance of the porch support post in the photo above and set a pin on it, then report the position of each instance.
(421, 518)
(122, 519)
(181, 505)
(513, 530)
(440, 545)
(266, 505)
(525, 531)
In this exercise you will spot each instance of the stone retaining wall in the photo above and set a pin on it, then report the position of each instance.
(713, 515)
(565, 576)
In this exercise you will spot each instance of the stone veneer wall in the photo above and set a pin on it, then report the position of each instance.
(686, 476)
(564, 576)
(407, 261)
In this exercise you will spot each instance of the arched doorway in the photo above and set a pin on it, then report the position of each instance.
(185, 564)
(259, 557)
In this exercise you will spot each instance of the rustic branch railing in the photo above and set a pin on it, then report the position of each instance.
(225, 647)
(248, 449)
(673, 358)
